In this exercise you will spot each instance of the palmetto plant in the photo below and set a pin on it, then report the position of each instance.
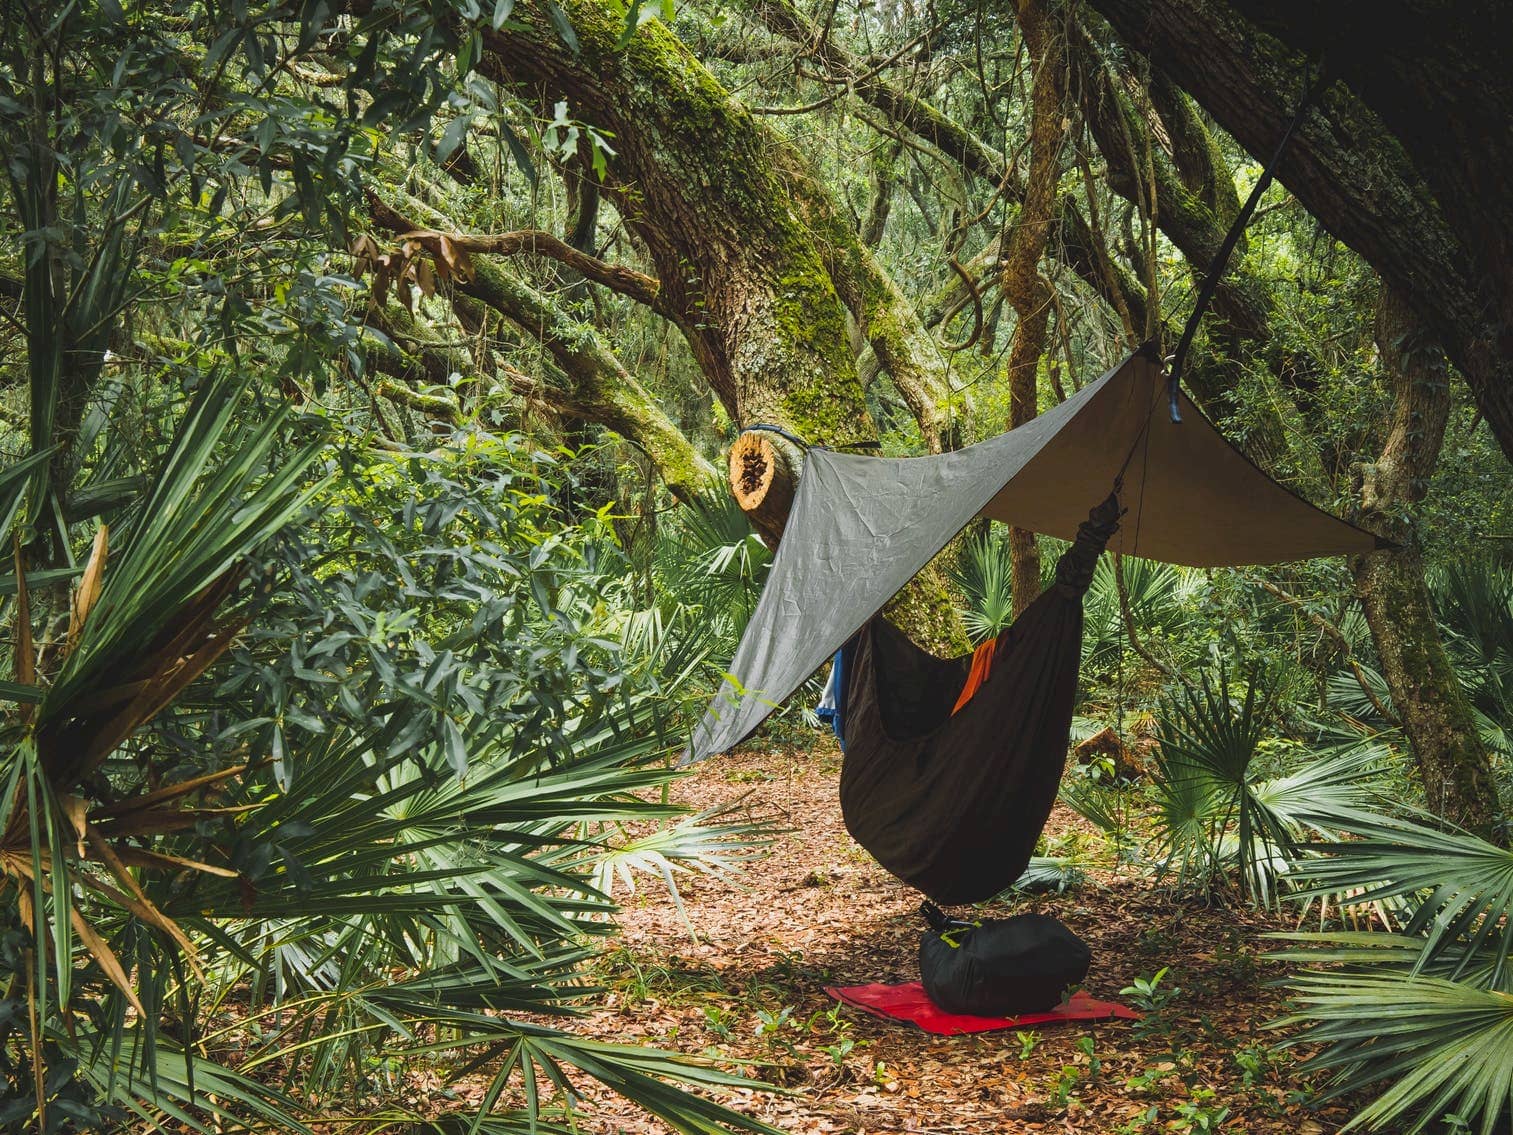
(1424, 1014)
(1473, 603)
(1153, 592)
(1217, 807)
(361, 899)
(983, 572)
(711, 842)
(142, 625)
(708, 554)
(708, 569)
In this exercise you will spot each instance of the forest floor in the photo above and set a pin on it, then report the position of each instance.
(818, 911)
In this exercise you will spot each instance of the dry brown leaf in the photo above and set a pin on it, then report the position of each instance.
(425, 277)
(365, 252)
(170, 792)
(89, 587)
(24, 904)
(75, 808)
(464, 266)
(106, 957)
(451, 256)
(161, 821)
(137, 902)
(170, 669)
(382, 274)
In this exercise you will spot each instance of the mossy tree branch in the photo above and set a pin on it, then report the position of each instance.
(599, 387)
(1410, 200)
(726, 209)
(626, 281)
(709, 193)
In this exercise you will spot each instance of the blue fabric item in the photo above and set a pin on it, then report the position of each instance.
(832, 707)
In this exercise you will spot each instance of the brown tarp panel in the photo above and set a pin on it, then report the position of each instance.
(1192, 497)
(860, 527)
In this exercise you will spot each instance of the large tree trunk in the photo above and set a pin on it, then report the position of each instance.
(753, 266)
(1403, 161)
(1436, 715)
(709, 193)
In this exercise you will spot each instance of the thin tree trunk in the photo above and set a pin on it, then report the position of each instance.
(1024, 245)
(1436, 715)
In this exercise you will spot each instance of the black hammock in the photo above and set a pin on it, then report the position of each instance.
(953, 802)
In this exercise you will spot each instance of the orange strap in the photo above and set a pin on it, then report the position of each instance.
(982, 663)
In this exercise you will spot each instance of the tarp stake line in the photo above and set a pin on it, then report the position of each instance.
(1311, 89)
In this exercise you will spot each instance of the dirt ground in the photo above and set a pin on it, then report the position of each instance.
(818, 911)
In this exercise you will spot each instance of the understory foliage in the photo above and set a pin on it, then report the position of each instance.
(1265, 783)
(1423, 1015)
(326, 751)
(380, 831)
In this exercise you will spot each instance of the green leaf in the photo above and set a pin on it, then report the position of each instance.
(563, 25)
(18, 692)
(453, 136)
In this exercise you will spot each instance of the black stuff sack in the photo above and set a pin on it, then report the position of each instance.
(999, 967)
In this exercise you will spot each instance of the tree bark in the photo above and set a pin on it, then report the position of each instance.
(1399, 162)
(1430, 701)
(880, 204)
(1024, 245)
(1436, 72)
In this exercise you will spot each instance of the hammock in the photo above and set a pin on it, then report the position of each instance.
(954, 803)
(951, 801)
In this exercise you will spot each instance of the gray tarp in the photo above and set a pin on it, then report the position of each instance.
(861, 527)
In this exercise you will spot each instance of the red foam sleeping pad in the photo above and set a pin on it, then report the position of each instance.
(909, 1004)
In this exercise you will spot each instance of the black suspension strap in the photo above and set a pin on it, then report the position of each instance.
(767, 427)
(1312, 88)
